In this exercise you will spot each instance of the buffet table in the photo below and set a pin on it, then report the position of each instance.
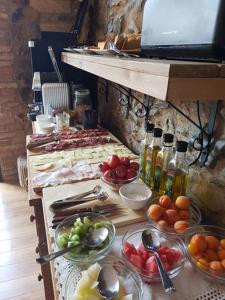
(189, 284)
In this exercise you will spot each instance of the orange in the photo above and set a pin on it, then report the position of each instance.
(223, 263)
(181, 226)
(155, 212)
(193, 249)
(165, 201)
(202, 263)
(216, 266)
(182, 202)
(211, 255)
(212, 242)
(170, 216)
(184, 214)
(222, 243)
(221, 254)
(162, 223)
(199, 241)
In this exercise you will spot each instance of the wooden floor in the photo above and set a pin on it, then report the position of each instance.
(18, 240)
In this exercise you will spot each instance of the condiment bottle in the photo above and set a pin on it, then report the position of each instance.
(151, 154)
(143, 148)
(177, 174)
(162, 160)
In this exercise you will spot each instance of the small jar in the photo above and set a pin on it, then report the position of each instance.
(62, 120)
(82, 103)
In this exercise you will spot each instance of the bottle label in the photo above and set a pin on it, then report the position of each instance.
(148, 172)
(169, 185)
(157, 178)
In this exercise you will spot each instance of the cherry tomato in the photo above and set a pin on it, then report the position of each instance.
(131, 173)
(125, 161)
(113, 161)
(104, 167)
(109, 174)
(134, 165)
(121, 171)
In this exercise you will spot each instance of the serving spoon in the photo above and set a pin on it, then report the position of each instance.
(108, 283)
(150, 246)
(95, 238)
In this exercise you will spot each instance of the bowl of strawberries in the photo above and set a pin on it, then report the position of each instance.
(118, 171)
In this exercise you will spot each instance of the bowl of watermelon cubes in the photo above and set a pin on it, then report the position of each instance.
(118, 171)
(171, 252)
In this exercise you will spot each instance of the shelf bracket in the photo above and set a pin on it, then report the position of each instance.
(210, 128)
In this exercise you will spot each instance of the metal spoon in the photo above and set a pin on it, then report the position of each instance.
(150, 246)
(95, 238)
(108, 283)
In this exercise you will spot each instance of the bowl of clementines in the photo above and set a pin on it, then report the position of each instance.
(205, 249)
(173, 217)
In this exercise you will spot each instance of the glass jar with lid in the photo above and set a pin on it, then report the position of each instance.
(82, 103)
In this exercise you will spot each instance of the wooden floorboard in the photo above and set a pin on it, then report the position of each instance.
(18, 240)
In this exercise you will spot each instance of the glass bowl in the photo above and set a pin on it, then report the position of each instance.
(129, 279)
(195, 219)
(84, 253)
(115, 184)
(166, 241)
(195, 256)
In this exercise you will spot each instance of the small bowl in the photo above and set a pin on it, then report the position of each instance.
(85, 254)
(195, 219)
(135, 195)
(129, 279)
(134, 237)
(46, 127)
(41, 119)
(204, 270)
(115, 184)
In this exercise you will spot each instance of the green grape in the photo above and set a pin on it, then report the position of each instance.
(62, 240)
(75, 237)
(100, 224)
(86, 220)
(73, 243)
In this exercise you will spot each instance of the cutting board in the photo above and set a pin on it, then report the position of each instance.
(51, 194)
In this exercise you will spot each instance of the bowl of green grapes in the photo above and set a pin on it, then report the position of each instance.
(75, 229)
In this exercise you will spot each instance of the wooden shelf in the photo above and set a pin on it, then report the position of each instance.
(164, 79)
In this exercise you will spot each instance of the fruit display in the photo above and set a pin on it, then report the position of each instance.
(73, 230)
(145, 260)
(119, 168)
(170, 250)
(78, 232)
(174, 217)
(118, 171)
(206, 250)
(87, 287)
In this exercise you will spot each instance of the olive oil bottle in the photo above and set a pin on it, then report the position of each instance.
(151, 154)
(162, 160)
(177, 174)
(143, 148)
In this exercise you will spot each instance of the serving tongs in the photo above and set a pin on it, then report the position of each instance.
(65, 202)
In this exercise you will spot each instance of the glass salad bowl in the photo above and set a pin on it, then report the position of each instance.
(205, 249)
(171, 252)
(74, 229)
(130, 281)
(191, 217)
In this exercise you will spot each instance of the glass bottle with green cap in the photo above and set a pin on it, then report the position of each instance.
(177, 174)
(143, 148)
(151, 154)
(163, 158)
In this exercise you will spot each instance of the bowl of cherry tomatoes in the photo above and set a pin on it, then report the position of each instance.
(118, 171)
(205, 248)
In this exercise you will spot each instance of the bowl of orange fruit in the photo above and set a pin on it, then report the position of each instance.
(205, 249)
(173, 217)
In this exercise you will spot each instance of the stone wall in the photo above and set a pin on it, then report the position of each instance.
(207, 184)
(20, 21)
